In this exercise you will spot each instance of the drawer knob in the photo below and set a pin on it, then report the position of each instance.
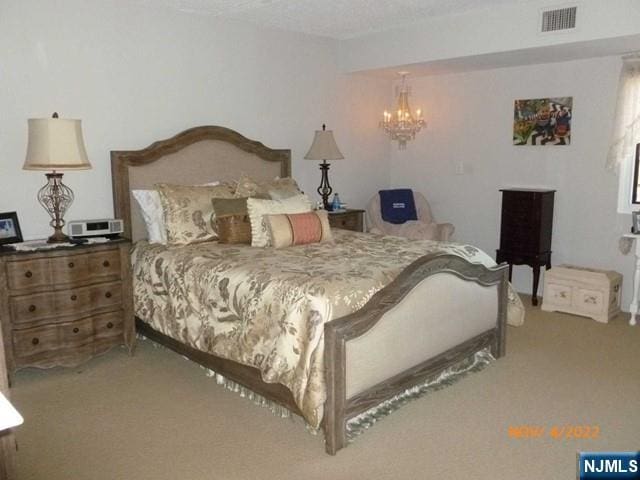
(32, 308)
(28, 274)
(71, 265)
(106, 264)
(110, 325)
(74, 298)
(35, 340)
(108, 294)
(76, 330)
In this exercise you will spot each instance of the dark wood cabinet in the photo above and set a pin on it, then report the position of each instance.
(525, 231)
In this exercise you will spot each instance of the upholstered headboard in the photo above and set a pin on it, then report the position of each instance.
(195, 156)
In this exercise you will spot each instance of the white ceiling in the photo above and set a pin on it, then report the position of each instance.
(339, 19)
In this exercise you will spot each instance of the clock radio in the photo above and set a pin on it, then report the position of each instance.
(107, 227)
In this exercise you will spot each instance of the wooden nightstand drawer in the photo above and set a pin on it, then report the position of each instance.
(88, 298)
(28, 273)
(71, 269)
(104, 263)
(349, 220)
(38, 340)
(30, 308)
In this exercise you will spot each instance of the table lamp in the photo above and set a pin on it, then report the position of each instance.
(324, 148)
(55, 144)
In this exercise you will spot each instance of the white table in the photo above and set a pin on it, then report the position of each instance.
(633, 308)
(9, 416)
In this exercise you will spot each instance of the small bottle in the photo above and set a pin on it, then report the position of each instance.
(335, 205)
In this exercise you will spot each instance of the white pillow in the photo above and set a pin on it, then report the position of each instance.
(153, 215)
(258, 207)
(151, 209)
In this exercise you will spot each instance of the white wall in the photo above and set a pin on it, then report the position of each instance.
(470, 120)
(135, 75)
(511, 27)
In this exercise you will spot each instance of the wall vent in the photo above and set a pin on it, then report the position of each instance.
(558, 19)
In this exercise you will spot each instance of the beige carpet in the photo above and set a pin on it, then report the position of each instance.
(157, 416)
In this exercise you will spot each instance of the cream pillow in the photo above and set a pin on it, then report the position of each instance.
(188, 213)
(258, 207)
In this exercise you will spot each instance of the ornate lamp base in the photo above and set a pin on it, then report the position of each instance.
(325, 189)
(55, 197)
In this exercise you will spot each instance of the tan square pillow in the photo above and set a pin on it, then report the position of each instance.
(290, 229)
(188, 212)
(231, 220)
(258, 208)
(276, 189)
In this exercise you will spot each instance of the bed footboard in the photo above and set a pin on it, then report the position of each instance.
(438, 311)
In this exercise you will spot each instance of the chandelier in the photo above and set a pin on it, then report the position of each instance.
(402, 125)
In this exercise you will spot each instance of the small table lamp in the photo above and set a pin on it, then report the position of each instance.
(55, 144)
(324, 148)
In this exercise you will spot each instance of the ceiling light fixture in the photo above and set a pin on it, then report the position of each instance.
(402, 125)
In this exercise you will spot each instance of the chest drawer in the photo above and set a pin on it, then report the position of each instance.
(39, 306)
(104, 264)
(79, 300)
(33, 341)
(28, 273)
(65, 269)
(70, 269)
(63, 343)
(29, 308)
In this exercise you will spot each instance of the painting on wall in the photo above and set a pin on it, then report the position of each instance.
(542, 121)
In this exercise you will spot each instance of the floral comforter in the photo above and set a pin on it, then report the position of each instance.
(266, 308)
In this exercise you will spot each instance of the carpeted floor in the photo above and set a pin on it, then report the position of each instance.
(157, 416)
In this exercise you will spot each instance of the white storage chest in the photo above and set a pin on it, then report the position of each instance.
(582, 291)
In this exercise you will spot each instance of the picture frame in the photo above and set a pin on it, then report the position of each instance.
(9, 228)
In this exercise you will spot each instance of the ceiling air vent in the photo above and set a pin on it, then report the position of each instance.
(558, 19)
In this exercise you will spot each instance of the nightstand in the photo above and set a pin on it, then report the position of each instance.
(348, 220)
(62, 306)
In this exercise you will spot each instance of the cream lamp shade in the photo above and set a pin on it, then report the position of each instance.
(55, 144)
(324, 147)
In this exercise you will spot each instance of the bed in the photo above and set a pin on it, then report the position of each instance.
(416, 310)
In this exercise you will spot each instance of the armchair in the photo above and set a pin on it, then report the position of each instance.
(422, 229)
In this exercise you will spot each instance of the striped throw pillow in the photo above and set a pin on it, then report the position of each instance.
(290, 229)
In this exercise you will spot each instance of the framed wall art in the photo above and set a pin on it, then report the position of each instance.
(542, 121)
(9, 228)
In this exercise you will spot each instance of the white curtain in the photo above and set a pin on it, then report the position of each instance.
(626, 130)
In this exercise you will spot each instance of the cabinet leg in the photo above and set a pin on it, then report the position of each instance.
(510, 270)
(536, 281)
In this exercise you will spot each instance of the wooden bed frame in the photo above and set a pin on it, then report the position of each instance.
(465, 303)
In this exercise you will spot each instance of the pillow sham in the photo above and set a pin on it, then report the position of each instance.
(188, 212)
(290, 229)
(258, 208)
(152, 213)
(276, 189)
